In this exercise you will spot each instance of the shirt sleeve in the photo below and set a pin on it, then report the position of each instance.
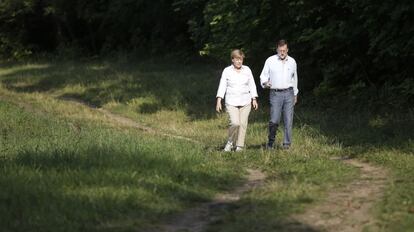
(264, 76)
(295, 80)
(252, 85)
(223, 85)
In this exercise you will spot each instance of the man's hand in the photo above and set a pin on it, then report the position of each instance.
(254, 104)
(218, 105)
(267, 85)
(296, 99)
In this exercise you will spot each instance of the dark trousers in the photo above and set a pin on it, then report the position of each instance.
(281, 104)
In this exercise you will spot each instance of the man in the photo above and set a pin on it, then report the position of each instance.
(280, 76)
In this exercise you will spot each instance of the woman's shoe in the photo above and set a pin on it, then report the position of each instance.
(239, 149)
(228, 147)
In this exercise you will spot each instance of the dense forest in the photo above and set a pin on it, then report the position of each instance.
(347, 50)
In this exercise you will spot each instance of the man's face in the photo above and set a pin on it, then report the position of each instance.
(237, 62)
(282, 51)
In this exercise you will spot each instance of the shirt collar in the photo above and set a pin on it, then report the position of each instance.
(232, 66)
(278, 58)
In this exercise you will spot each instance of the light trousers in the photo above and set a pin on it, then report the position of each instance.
(239, 116)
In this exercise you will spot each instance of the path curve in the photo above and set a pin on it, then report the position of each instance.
(346, 209)
(197, 219)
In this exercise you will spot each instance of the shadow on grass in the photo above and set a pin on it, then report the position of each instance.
(191, 88)
(69, 191)
(258, 215)
(361, 131)
(103, 190)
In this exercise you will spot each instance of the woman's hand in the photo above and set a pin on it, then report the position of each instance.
(218, 105)
(254, 104)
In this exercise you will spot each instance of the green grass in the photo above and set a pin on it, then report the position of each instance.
(55, 177)
(386, 140)
(66, 167)
(397, 210)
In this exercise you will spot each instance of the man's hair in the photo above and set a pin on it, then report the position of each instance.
(237, 53)
(281, 43)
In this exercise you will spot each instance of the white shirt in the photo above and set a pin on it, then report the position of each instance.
(281, 74)
(239, 87)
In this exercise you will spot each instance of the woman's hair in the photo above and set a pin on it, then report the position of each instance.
(237, 53)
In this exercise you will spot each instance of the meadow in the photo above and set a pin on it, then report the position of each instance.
(65, 166)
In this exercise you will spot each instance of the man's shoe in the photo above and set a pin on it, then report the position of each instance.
(286, 147)
(238, 149)
(269, 146)
(228, 147)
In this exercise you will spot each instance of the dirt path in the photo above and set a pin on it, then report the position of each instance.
(124, 121)
(197, 219)
(131, 123)
(347, 209)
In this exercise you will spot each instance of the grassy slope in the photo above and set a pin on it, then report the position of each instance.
(79, 170)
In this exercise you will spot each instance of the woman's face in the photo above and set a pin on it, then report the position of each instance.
(237, 62)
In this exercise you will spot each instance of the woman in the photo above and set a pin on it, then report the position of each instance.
(238, 87)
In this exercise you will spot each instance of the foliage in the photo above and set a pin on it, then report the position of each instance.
(93, 26)
(347, 50)
(353, 49)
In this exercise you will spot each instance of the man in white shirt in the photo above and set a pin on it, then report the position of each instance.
(279, 74)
